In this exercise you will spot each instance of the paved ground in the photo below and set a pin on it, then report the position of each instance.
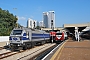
(2, 44)
(73, 50)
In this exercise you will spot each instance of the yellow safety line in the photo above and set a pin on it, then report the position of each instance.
(57, 52)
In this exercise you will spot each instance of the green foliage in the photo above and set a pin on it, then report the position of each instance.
(7, 22)
(38, 27)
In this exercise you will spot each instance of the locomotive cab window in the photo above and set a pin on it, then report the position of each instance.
(58, 33)
(16, 32)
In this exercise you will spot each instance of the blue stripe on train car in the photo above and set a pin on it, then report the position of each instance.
(47, 35)
(24, 34)
(38, 36)
(24, 38)
(34, 34)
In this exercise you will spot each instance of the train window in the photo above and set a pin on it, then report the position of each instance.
(58, 33)
(17, 32)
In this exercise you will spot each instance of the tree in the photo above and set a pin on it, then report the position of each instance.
(38, 27)
(7, 22)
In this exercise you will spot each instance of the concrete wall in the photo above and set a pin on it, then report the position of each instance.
(4, 38)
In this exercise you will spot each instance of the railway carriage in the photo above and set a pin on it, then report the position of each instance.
(61, 36)
(23, 38)
(58, 36)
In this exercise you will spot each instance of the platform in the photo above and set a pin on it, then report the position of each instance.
(73, 50)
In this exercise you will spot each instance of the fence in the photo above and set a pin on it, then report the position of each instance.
(4, 38)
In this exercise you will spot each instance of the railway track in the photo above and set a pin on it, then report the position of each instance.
(41, 55)
(23, 53)
(1, 48)
(7, 54)
(49, 52)
(33, 55)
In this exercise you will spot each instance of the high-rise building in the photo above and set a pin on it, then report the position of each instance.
(49, 19)
(31, 23)
(41, 24)
(35, 23)
(45, 19)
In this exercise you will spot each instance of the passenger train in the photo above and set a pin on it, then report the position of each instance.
(85, 34)
(58, 36)
(61, 36)
(23, 38)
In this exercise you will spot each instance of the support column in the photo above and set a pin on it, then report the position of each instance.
(76, 34)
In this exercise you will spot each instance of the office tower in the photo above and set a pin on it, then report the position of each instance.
(45, 19)
(41, 24)
(31, 23)
(49, 19)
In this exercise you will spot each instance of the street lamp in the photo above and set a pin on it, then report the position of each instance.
(52, 25)
(16, 17)
(52, 29)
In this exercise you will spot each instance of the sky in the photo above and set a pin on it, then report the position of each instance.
(66, 11)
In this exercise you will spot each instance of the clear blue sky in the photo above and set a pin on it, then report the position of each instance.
(66, 11)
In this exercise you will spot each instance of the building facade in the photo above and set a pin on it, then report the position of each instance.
(45, 19)
(41, 24)
(49, 19)
(31, 23)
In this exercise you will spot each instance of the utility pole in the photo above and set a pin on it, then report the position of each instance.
(52, 29)
(52, 25)
(17, 18)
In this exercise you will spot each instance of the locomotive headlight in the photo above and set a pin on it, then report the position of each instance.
(18, 45)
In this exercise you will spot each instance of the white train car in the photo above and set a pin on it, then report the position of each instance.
(23, 38)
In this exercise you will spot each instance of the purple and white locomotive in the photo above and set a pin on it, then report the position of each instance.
(23, 38)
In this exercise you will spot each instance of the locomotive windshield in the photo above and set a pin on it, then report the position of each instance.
(16, 32)
(58, 33)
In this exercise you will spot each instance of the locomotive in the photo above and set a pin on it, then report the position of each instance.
(61, 36)
(58, 36)
(24, 38)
